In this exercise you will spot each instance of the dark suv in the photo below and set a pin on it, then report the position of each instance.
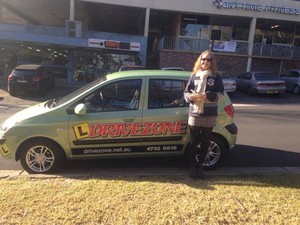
(30, 78)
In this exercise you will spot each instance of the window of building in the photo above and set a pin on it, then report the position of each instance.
(240, 29)
(297, 36)
(229, 28)
(274, 32)
(90, 65)
(191, 25)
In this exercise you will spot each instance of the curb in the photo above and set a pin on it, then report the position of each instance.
(147, 172)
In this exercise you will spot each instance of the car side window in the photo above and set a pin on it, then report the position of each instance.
(248, 76)
(116, 96)
(166, 93)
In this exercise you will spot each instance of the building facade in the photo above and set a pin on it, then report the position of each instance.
(91, 38)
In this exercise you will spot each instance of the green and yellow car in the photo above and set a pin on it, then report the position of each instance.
(135, 113)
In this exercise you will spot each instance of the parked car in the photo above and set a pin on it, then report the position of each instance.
(31, 78)
(124, 114)
(260, 82)
(133, 67)
(292, 80)
(229, 83)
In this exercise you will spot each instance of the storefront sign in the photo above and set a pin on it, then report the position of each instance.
(118, 45)
(224, 46)
(255, 7)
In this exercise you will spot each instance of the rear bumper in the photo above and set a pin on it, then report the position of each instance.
(23, 87)
(232, 128)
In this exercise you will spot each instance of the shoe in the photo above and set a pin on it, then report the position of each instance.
(200, 172)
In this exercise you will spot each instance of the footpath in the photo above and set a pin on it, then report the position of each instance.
(63, 89)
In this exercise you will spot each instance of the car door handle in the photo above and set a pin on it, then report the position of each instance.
(127, 120)
(182, 113)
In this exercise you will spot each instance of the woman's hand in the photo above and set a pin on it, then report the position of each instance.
(197, 97)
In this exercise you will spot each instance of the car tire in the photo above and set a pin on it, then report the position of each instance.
(216, 154)
(296, 90)
(13, 92)
(41, 156)
(251, 91)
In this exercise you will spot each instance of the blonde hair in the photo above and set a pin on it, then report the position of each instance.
(213, 63)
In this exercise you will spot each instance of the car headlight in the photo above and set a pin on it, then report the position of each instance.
(7, 125)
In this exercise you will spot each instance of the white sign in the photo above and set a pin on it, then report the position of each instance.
(224, 46)
(255, 7)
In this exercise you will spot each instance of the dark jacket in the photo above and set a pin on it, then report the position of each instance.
(214, 91)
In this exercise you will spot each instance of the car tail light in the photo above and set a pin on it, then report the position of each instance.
(36, 78)
(10, 78)
(229, 110)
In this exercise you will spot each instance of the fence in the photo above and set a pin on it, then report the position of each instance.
(241, 47)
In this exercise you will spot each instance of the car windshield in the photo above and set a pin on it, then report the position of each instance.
(59, 101)
(264, 76)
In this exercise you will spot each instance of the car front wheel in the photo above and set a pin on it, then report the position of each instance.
(215, 154)
(41, 156)
(296, 90)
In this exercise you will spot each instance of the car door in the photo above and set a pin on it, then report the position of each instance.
(241, 81)
(112, 122)
(165, 116)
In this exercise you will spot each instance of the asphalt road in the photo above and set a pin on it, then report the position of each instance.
(268, 134)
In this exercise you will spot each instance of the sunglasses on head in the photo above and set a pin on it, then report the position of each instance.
(206, 59)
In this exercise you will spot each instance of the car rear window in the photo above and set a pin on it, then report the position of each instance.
(25, 72)
(264, 76)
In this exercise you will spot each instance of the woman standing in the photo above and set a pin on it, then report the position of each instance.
(203, 90)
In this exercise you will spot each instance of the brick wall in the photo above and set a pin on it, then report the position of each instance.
(233, 64)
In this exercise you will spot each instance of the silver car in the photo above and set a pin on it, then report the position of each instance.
(260, 82)
(292, 80)
(229, 83)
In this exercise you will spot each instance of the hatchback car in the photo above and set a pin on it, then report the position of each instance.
(260, 82)
(292, 81)
(229, 83)
(31, 78)
(124, 114)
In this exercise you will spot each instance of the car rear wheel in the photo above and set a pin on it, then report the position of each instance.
(251, 91)
(41, 156)
(13, 92)
(296, 90)
(215, 154)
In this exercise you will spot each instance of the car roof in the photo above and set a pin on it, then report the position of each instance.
(173, 68)
(259, 71)
(147, 73)
(28, 67)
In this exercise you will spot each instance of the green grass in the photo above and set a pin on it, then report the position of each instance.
(265, 199)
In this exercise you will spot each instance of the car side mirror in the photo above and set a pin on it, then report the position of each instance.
(80, 109)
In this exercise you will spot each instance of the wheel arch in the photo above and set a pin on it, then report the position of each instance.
(19, 149)
(221, 139)
(294, 87)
